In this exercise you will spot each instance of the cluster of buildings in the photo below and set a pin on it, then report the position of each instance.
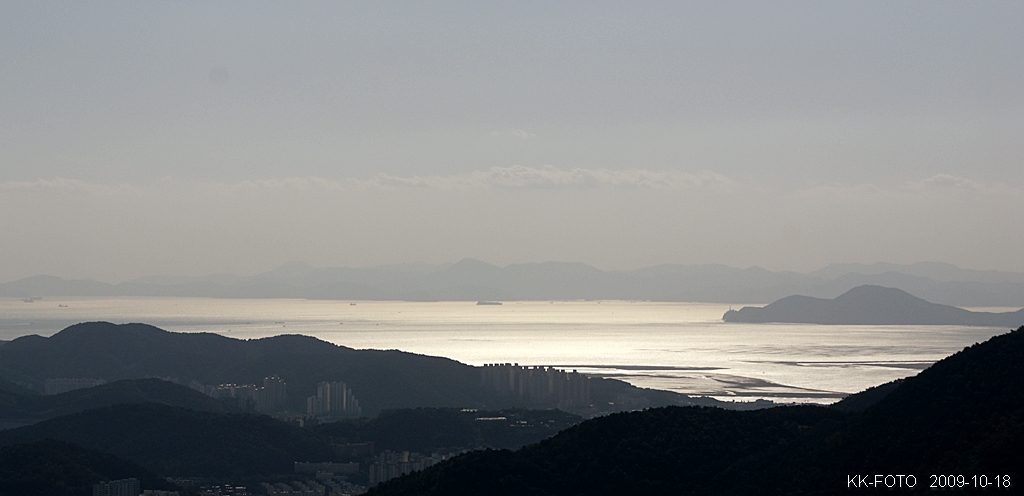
(333, 399)
(121, 487)
(307, 488)
(63, 385)
(126, 487)
(333, 475)
(341, 487)
(270, 397)
(391, 465)
(224, 490)
(537, 385)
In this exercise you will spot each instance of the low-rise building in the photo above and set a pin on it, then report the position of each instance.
(120, 487)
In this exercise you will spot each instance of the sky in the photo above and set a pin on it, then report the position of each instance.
(192, 138)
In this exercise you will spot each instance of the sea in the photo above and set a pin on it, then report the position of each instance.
(682, 347)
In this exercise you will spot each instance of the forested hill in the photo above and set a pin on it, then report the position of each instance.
(963, 415)
(32, 407)
(871, 305)
(173, 441)
(380, 379)
(54, 468)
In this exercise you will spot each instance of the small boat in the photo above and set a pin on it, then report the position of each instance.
(481, 302)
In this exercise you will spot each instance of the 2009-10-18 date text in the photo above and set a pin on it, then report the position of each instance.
(935, 481)
(972, 482)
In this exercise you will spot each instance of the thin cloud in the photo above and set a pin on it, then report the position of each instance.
(946, 181)
(951, 183)
(939, 184)
(514, 177)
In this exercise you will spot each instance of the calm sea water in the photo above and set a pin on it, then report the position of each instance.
(682, 347)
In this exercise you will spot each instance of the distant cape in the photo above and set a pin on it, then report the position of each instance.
(870, 305)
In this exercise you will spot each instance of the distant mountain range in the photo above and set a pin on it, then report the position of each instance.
(871, 305)
(471, 280)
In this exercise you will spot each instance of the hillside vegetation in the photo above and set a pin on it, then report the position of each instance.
(380, 379)
(963, 415)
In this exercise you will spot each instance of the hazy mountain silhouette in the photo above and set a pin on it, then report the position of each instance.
(963, 415)
(472, 280)
(870, 305)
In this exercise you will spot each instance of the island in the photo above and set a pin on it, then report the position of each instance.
(870, 305)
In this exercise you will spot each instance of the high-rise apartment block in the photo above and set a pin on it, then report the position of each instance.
(271, 397)
(537, 385)
(333, 399)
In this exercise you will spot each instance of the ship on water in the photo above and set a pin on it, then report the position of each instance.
(482, 302)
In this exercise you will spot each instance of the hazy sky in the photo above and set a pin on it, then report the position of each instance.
(199, 137)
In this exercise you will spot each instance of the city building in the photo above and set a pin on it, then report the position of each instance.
(271, 397)
(391, 465)
(307, 488)
(121, 487)
(224, 490)
(537, 385)
(333, 399)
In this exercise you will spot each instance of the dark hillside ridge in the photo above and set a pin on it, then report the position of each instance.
(427, 430)
(963, 415)
(54, 468)
(858, 402)
(173, 441)
(38, 407)
(10, 388)
(870, 305)
(473, 280)
(380, 379)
